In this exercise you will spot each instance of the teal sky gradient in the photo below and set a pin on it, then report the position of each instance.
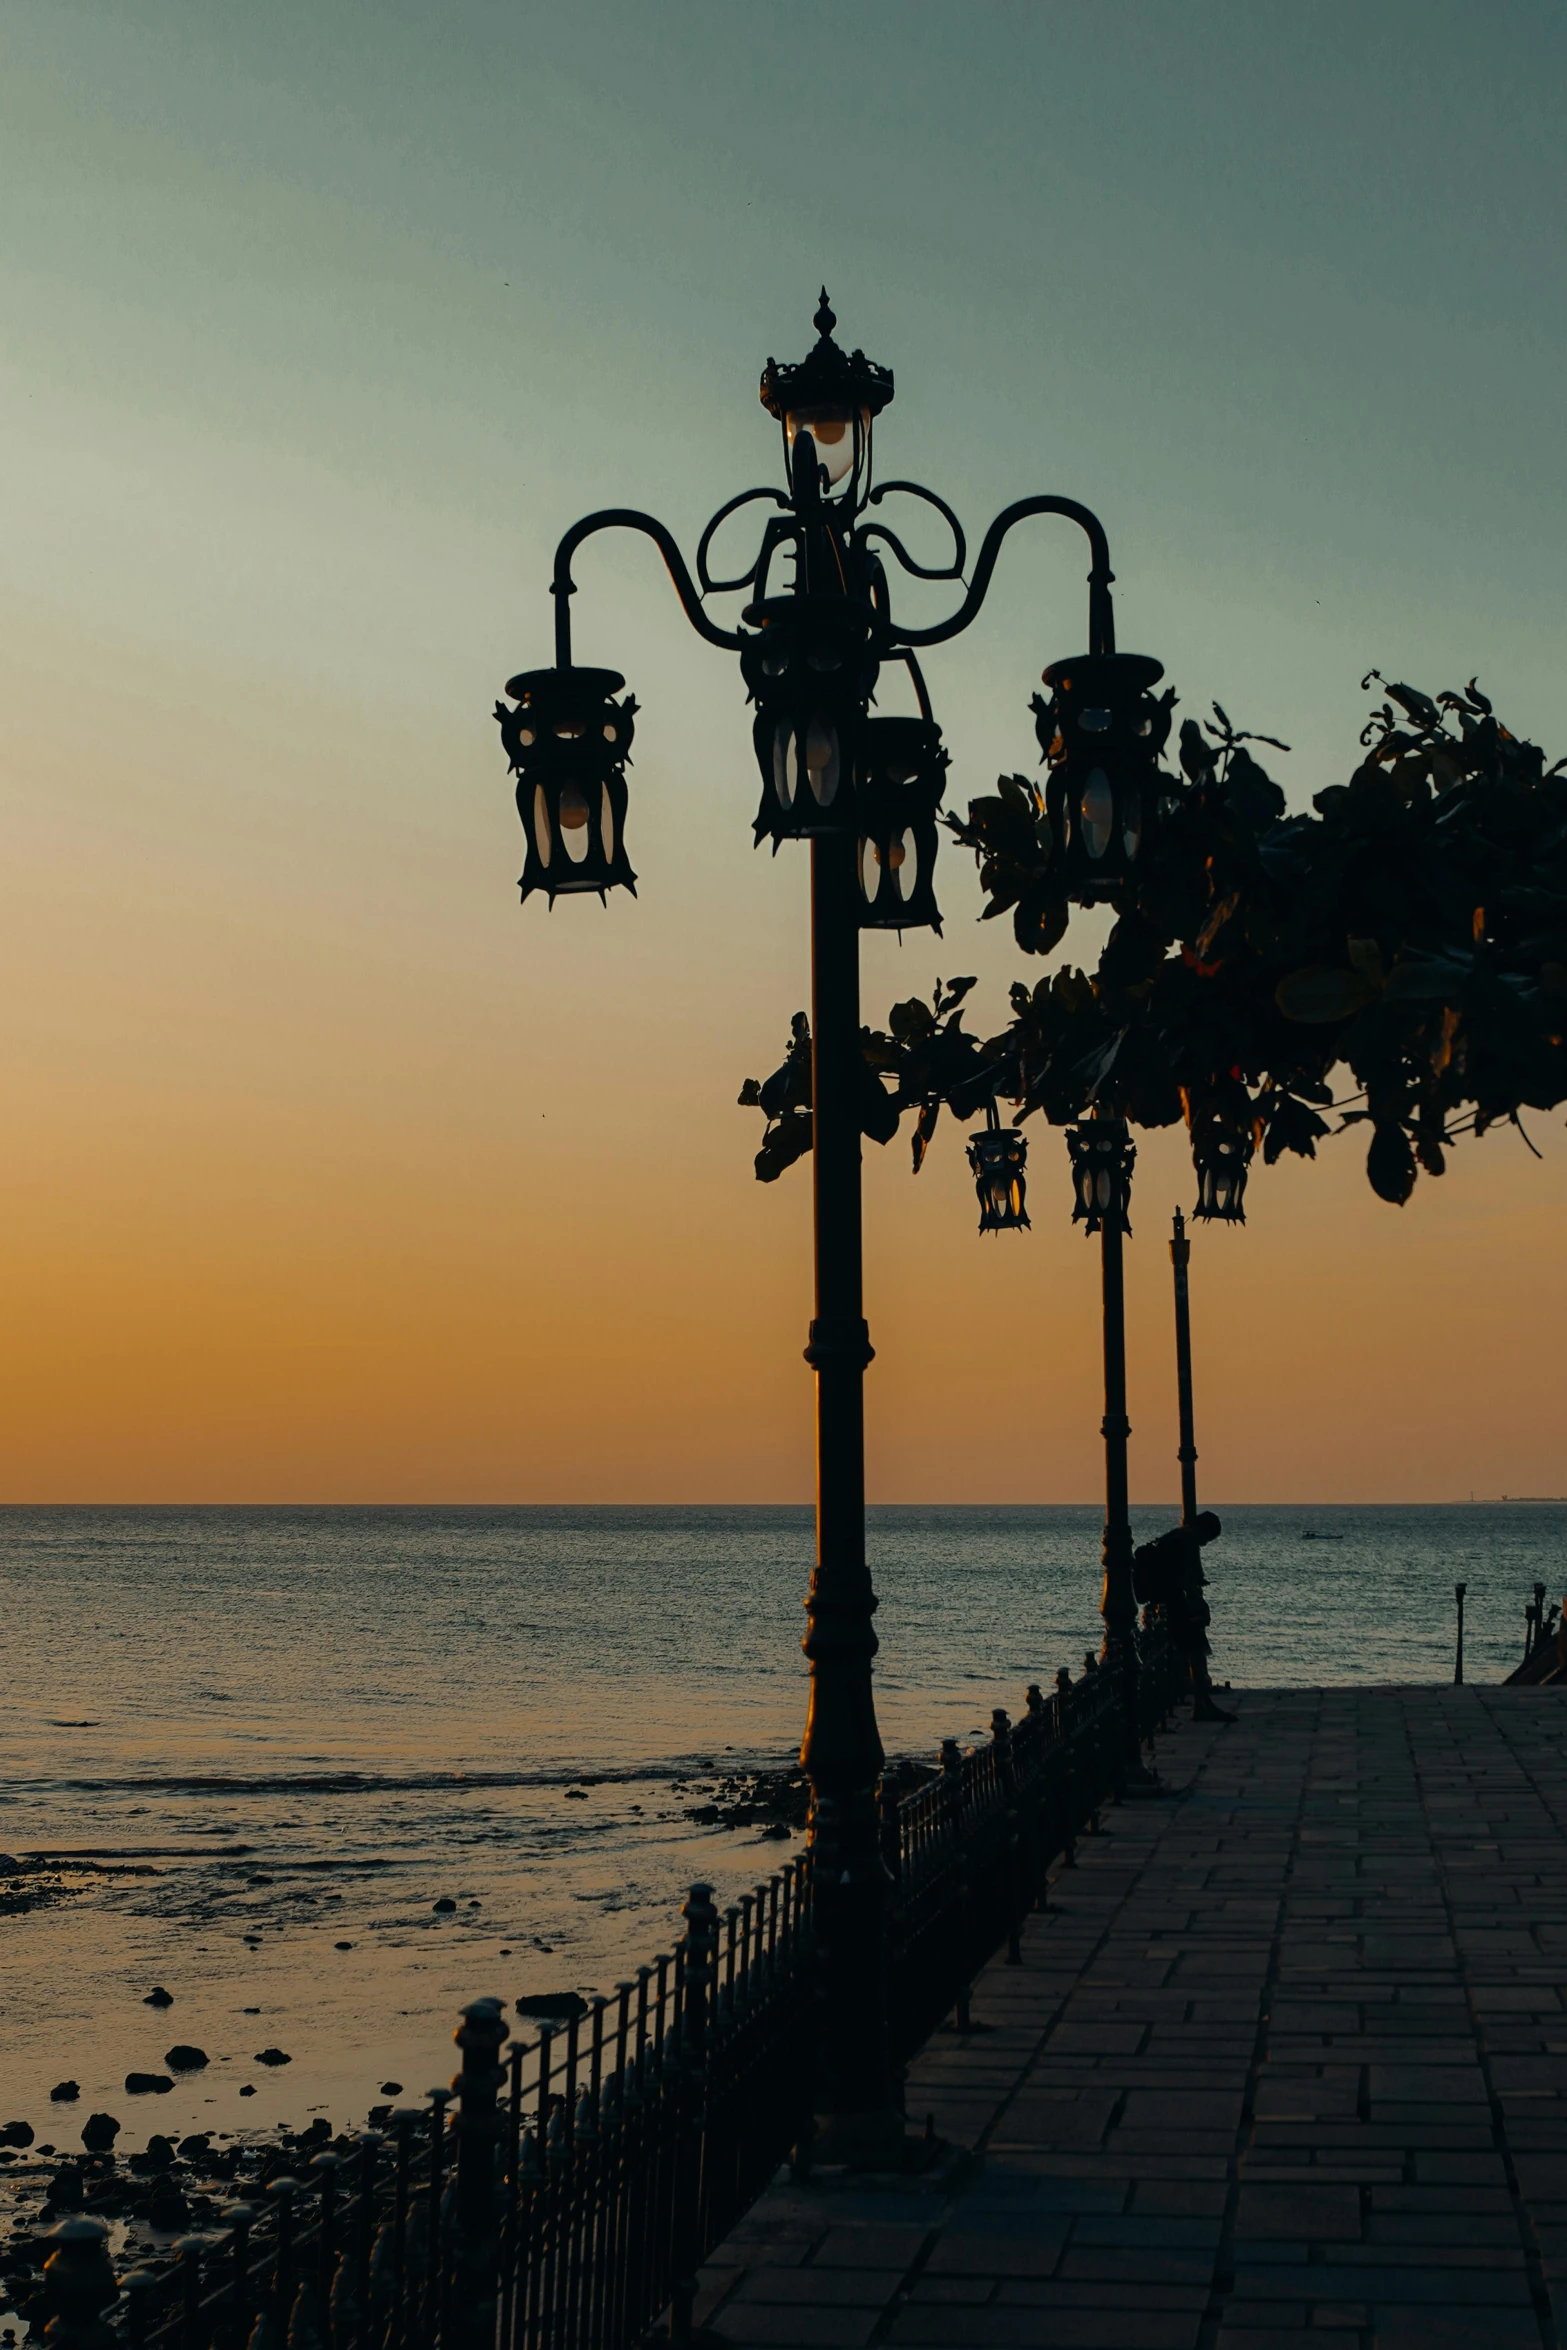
(322, 322)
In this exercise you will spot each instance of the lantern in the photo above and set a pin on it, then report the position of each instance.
(568, 740)
(1102, 1157)
(811, 671)
(833, 396)
(997, 1157)
(1102, 732)
(900, 776)
(1221, 1154)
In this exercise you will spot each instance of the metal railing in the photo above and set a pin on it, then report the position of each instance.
(586, 2173)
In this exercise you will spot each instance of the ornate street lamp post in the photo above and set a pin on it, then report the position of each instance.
(863, 791)
(1103, 1154)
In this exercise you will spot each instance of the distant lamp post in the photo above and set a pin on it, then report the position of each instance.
(864, 792)
(1221, 1154)
(997, 1155)
(1103, 1155)
(1102, 733)
(1186, 1453)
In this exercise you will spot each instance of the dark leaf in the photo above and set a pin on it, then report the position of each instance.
(1390, 1163)
(783, 1143)
(1196, 758)
(1323, 992)
(1215, 923)
(1252, 792)
(911, 1020)
(1417, 704)
(1040, 923)
(878, 1109)
(1290, 1125)
(1425, 983)
(925, 1127)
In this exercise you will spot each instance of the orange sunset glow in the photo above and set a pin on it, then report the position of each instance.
(333, 1175)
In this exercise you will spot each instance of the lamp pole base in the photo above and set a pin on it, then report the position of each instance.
(874, 2141)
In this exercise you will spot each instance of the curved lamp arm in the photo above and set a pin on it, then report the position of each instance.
(913, 489)
(1101, 615)
(563, 586)
(725, 587)
(917, 678)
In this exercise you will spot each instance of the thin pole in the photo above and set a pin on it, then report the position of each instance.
(1118, 1603)
(1192, 1616)
(1458, 1661)
(1180, 1257)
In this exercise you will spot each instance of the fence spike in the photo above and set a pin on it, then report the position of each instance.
(304, 2324)
(79, 2284)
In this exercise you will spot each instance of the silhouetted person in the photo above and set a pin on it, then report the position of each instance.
(1168, 1574)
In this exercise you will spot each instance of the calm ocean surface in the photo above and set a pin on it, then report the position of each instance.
(275, 1731)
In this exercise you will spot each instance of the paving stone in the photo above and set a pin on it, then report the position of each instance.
(796, 2329)
(1055, 2329)
(1491, 2329)
(1247, 2337)
(819, 2288)
(1298, 2210)
(994, 2252)
(870, 2246)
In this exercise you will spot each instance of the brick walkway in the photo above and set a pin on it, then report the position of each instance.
(1284, 2063)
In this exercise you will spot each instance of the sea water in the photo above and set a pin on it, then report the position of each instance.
(257, 1735)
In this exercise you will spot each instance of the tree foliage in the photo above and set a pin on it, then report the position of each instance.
(1412, 928)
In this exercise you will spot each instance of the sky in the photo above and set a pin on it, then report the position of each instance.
(331, 1174)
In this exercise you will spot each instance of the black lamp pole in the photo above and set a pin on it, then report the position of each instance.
(842, 1751)
(1118, 1602)
(863, 792)
(1103, 1155)
(859, 2114)
(1186, 1454)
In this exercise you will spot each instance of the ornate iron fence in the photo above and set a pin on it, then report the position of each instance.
(587, 2172)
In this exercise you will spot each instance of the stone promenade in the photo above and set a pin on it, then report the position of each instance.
(1285, 2062)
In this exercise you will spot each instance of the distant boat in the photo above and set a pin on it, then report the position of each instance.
(1310, 1534)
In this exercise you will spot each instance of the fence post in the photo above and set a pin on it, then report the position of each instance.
(1006, 1779)
(137, 2288)
(1090, 1698)
(1156, 1667)
(1066, 1731)
(952, 1800)
(1035, 1710)
(474, 2279)
(889, 1802)
(701, 1945)
(79, 2281)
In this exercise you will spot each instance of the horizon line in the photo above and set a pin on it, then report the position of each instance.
(1456, 1501)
